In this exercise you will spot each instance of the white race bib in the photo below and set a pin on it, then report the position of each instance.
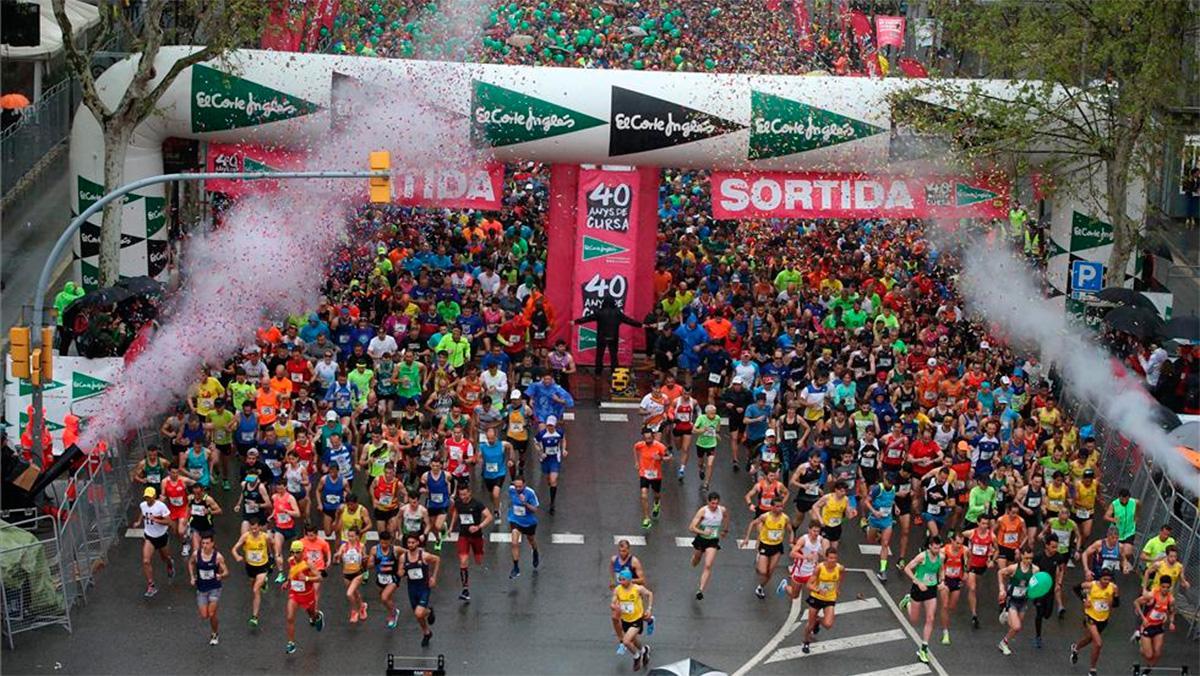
(199, 510)
(299, 586)
(491, 467)
(627, 607)
(518, 510)
(466, 519)
(385, 578)
(714, 378)
(790, 435)
(415, 573)
(206, 574)
(651, 474)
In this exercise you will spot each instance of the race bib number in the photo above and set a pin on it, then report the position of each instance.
(518, 510)
(714, 378)
(385, 578)
(683, 417)
(466, 519)
(333, 499)
(256, 558)
(1019, 591)
(206, 574)
(352, 557)
(385, 500)
(790, 435)
(1010, 539)
(491, 467)
(979, 550)
(416, 573)
(1100, 606)
(437, 497)
(651, 474)
(627, 607)
(835, 521)
(299, 586)
(775, 534)
(769, 456)
(813, 490)
(1083, 514)
(251, 507)
(199, 510)
(867, 462)
(1157, 615)
(176, 502)
(933, 509)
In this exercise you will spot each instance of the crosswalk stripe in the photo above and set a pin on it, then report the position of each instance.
(914, 669)
(833, 645)
(842, 608)
(683, 542)
(620, 404)
(747, 544)
(872, 550)
(134, 532)
(634, 540)
(614, 417)
(500, 537)
(566, 538)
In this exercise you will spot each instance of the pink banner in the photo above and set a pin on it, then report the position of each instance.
(863, 38)
(229, 157)
(606, 245)
(285, 27)
(803, 24)
(889, 30)
(745, 195)
(560, 244)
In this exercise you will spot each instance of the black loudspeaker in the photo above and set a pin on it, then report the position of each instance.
(20, 24)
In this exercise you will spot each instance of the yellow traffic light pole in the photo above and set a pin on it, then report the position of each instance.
(39, 345)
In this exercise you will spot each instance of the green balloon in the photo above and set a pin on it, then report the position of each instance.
(716, 11)
(675, 33)
(552, 31)
(638, 65)
(542, 5)
(539, 14)
(1040, 585)
(559, 57)
(647, 24)
(598, 40)
(556, 15)
(710, 64)
(607, 20)
(525, 25)
(648, 41)
(546, 52)
(678, 58)
(596, 13)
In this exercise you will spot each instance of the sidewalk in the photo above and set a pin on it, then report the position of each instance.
(28, 229)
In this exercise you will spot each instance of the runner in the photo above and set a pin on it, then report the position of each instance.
(253, 549)
(768, 491)
(623, 560)
(880, 507)
(382, 558)
(151, 470)
(772, 527)
(926, 572)
(832, 510)
(317, 554)
(201, 510)
(284, 513)
(1170, 566)
(708, 432)
(207, 568)
(420, 572)
(1156, 610)
(955, 569)
(472, 519)
(1123, 513)
(414, 517)
(708, 525)
(1104, 554)
(1065, 530)
(156, 523)
(1046, 559)
(807, 480)
(352, 555)
(823, 589)
(252, 502)
(517, 419)
(1100, 596)
(435, 485)
(649, 455)
(682, 412)
(554, 449)
(175, 495)
(350, 515)
(1014, 592)
(635, 605)
(387, 493)
(981, 546)
(332, 491)
(522, 518)
(1010, 535)
(498, 460)
(808, 550)
(301, 595)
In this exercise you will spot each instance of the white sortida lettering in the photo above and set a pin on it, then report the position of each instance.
(765, 194)
(452, 185)
(868, 194)
(898, 196)
(480, 186)
(825, 188)
(797, 190)
(733, 194)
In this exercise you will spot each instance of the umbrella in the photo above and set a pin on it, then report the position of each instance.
(636, 32)
(687, 667)
(142, 286)
(99, 297)
(1137, 321)
(1123, 296)
(14, 101)
(1186, 327)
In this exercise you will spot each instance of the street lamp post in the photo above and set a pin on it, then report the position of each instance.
(64, 240)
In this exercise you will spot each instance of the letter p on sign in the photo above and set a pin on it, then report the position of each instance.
(1087, 276)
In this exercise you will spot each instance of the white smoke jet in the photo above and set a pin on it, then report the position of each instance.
(994, 283)
(269, 259)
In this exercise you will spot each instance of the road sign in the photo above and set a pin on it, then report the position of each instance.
(1087, 276)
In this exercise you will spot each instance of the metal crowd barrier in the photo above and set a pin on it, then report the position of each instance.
(32, 578)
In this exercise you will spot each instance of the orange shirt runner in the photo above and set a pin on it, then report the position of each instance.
(650, 459)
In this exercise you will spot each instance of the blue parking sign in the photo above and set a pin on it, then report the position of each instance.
(1087, 276)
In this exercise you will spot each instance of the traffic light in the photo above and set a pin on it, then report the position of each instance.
(381, 186)
(18, 346)
(46, 362)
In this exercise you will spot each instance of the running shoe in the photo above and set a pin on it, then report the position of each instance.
(679, 474)
(1074, 654)
(187, 550)
(1003, 646)
(514, 573)
(354, 616)
(426, 639)
(736, 469)
(923, 654)
(253, 622)
(319, 623)
(290, 647)
(432, 617)
(702, 474)
(393, 619)
(1062, 612)
(552, 510)
(362, 612)
(805, 649)
(881, 575)
(645, 656)
(279, 578)
(437, 546)
(464, 595)
(1003, 617)
(1037, 642)
(945, 637)
(1137, 635)
(657, 510)
(905, 601)
(974, 621)
(900, 563)
(171, 568)
(621, 649)
(214, 639)
(781, 589)
(537, 559)
(862, 523)
(151, 590)
(637, 663)
(650, 627)
(699, 595)
(758, 591)
(646, 523)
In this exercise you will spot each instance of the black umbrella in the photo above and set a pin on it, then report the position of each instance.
(1123, 296)
(1186, 327)
(97, 298)
(147, 287)
(1137, 321)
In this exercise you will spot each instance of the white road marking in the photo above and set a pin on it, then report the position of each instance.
(747, 544)
(908, 628)
(620, 404)
(569, 415)
(844, 608)
(769, 647)
(500, 537)
(614, 417)
(833, 645)
(870, 550)
(634, 540)
(683, 542)
(566, 538)
(914, 669)
(134, 532)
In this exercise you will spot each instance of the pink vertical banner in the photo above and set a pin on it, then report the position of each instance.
(889, 30)
(646, 253)
(606, 239)
(865, 40)
(560, 254)
(803, 24)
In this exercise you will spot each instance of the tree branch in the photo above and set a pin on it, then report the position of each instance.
(80, 63)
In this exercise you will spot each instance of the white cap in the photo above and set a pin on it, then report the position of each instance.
(516, 394)
(770, 432)
(984, 345)
(932, 362)
(1006, 380)
(552, 420)
(331, 415)
(250, 350)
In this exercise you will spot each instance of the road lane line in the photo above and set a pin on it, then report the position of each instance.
(614, 417)
(134, 532)
(833, 645)
(908, 628)
(683, 542)
(844, 608)
(500, 537)
(634, 540)
(914, 669)
(566, 538)
(870, 550)
(620, 404)
(747, 544)
(769, 647)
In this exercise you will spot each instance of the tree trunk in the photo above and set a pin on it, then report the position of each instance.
(116, 142)
(1125, 231)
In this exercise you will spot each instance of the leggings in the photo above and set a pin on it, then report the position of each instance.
(610, 344)
(1043, 609)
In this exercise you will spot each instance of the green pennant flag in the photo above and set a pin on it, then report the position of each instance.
(503, 117)
(222, 101)
(594, 248)
(780, 126)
